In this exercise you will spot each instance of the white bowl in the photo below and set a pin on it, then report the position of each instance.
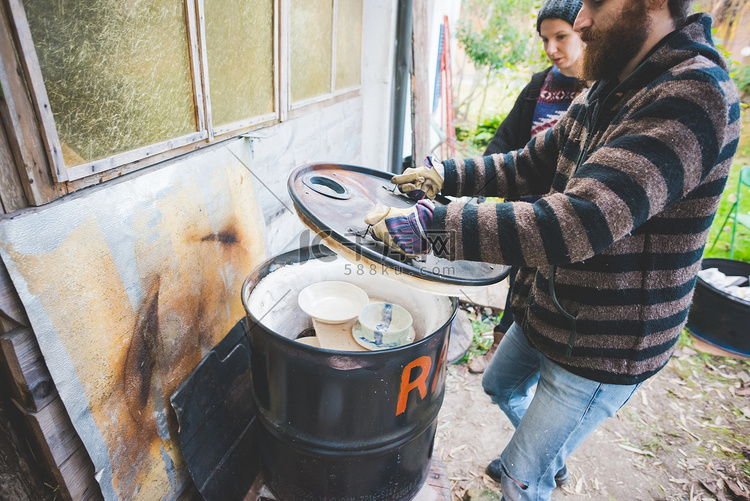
(332, 302)
(383, 325)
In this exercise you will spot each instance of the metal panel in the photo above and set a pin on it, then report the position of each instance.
(217, 420)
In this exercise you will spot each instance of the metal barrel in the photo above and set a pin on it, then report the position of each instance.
(343, 425)
(718, 317)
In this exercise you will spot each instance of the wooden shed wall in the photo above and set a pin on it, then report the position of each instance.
(42, 456)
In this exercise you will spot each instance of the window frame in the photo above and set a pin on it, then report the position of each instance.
(205, 79)
(207, 134)
(335, 93)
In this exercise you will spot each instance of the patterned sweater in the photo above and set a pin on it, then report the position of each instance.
(557, 92)
(633, 175)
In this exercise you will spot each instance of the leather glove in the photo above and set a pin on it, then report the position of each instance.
(420, 182)
(402, 229)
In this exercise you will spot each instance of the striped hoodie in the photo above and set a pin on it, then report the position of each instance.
(631, 177)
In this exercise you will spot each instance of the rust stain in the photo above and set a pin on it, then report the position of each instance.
(224, 237)
(141, 360)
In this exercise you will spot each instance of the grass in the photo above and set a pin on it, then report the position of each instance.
(742, 237)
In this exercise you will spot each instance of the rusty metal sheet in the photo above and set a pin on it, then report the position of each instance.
(127, 286)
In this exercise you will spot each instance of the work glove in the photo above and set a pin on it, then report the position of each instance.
(421, 182)
(402, 229)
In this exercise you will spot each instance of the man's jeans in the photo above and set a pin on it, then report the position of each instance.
(550, 422)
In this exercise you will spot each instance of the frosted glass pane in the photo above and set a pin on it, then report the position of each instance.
(116, 72)
(239, 43)
(311, 48)
(348, 43)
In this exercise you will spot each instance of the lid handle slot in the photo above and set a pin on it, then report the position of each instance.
(326, 185)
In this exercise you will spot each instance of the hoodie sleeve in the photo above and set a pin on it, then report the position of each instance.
(512, 175)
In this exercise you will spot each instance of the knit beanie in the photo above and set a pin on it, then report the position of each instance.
(567, 10)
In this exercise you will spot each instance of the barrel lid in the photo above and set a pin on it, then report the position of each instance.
(332, 201)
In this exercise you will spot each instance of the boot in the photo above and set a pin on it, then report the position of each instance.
(479, 364)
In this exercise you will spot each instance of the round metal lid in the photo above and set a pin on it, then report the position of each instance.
(332, 200)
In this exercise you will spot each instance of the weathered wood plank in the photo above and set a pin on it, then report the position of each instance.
(78, 476)
(18, 113)
(12, 196)
(27, 57)
(195, 64)
(171, 155)
(52, 428)
(11, 307)
(60, 451)
(21, 478)
(48, 428)
(254, 493)
(420, 107)
(129, 157)
(437, 479)
(32, 382)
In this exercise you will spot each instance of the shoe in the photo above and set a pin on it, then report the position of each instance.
(494, 470)
(479, 364)
(562, 477)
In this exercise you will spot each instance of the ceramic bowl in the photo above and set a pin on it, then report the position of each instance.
(332, 302)
(383, 325)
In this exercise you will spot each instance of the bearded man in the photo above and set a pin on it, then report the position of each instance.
(631, 179)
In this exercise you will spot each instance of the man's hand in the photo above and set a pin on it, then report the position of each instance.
(420, 182)
(402, 229)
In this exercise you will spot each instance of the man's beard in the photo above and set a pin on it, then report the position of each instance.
(609, 50)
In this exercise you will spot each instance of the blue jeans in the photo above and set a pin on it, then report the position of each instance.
(550, 422)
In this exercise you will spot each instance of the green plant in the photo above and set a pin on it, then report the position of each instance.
(741, 76)
(481, 135)
(482, 338)
(497, 35)
(486, 129)
(463, 133)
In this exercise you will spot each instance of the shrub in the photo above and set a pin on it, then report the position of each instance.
(741, 76)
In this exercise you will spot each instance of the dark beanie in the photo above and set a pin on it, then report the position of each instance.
(567, 10)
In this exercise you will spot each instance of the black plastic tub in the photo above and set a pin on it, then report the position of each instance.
(719, 318)
(342, 425)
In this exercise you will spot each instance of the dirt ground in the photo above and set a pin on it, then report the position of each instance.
(684, 436)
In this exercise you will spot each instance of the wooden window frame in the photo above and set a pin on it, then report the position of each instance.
(207, 134)
(335, 95)
(242, 125)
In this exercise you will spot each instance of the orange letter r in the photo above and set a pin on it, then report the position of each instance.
(420, 383)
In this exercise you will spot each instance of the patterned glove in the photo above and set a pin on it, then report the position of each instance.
(421, 182)
(402, 229)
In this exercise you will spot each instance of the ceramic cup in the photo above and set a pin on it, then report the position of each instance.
(383, 325)
(332, 302)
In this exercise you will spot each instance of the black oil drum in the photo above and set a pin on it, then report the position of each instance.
(342, 425)
(720, 318)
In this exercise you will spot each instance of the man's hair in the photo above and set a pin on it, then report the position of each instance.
(679, 9)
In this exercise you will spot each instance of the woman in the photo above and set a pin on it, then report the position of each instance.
(543, 101)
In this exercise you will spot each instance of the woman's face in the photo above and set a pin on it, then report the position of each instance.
(562, 45)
